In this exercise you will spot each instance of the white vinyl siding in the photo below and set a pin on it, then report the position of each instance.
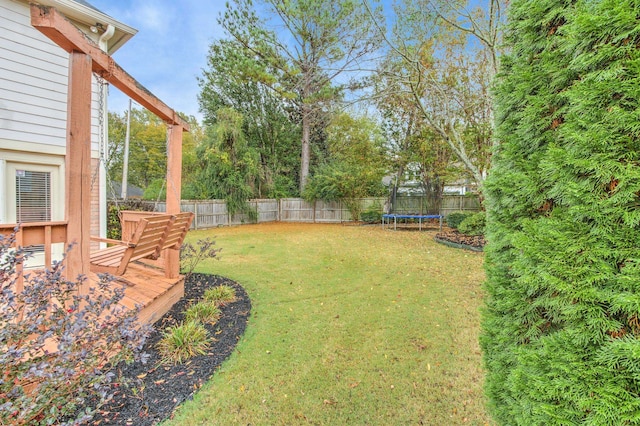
(33, 82)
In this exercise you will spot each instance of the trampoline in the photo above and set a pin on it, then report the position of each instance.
(386, 219)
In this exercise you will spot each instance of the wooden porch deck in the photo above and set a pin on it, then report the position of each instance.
(146, 285)
(150, 289)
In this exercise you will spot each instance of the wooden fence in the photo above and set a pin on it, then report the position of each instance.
(213, 213)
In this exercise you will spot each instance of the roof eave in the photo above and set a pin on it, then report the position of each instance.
(91, 17)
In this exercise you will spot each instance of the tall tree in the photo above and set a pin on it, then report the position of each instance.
(443, 56)
(433, 157)
(561, 331)
(300, 51)
(269, 124)
(229, 167)
(147, 149)
(412, 143)
(356, 164)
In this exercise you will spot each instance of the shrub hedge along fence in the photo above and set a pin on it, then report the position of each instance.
(561, 328)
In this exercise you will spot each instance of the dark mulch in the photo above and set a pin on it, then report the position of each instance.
(157, 389)
(453, 236)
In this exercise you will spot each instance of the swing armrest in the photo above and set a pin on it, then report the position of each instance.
(111, 241)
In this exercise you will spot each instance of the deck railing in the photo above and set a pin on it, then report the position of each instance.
(42, 235)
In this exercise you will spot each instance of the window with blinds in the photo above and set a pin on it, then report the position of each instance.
(33, 196)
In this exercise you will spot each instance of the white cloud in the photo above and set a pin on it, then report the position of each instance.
(152, 16)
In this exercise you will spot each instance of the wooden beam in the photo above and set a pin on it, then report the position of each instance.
(78, 164)
(62, 32)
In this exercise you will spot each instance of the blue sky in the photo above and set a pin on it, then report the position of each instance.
(169, 51)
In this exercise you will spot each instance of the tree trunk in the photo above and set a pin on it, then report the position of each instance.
(394, 191)
(433, 188)
(305, 155)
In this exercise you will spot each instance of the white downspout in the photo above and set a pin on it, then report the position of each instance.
(104, 140)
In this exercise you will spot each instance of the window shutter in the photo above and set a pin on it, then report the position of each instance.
(33, 196)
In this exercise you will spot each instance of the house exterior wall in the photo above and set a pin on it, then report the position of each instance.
(33, 100)
(33, 81)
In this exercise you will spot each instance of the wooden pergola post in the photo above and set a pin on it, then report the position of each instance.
(78, 164)
(174, 179)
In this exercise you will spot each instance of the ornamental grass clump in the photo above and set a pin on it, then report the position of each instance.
(56, 342)
(561, 336)
(204, 312)
(183, 341)
(220, 295)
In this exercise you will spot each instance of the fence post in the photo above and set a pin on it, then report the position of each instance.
(257, 212)
(195, 213)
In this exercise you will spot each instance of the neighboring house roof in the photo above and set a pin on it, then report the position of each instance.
(90, 17)
(132, 190)
(86, 3)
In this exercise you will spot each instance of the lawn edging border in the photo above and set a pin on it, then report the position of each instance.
(458, 245)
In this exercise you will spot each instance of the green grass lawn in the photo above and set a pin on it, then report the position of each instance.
(350, 325)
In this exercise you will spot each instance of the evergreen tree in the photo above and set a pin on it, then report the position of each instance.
(562, 322)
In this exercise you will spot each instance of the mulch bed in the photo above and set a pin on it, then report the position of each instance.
(157, 389)
(455, 239)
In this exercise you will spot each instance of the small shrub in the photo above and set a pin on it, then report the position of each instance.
(454, 219)
(220, 295)
(473, 225)
(87, 330)
(205, 312)
(373, 214)
(184, 341)
(192, 254)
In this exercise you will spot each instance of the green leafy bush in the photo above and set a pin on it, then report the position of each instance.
(561, 331)
(183, 341)
(372, 214)
(87, 330)
(114, 227)
(454, 219)
(473, 224)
